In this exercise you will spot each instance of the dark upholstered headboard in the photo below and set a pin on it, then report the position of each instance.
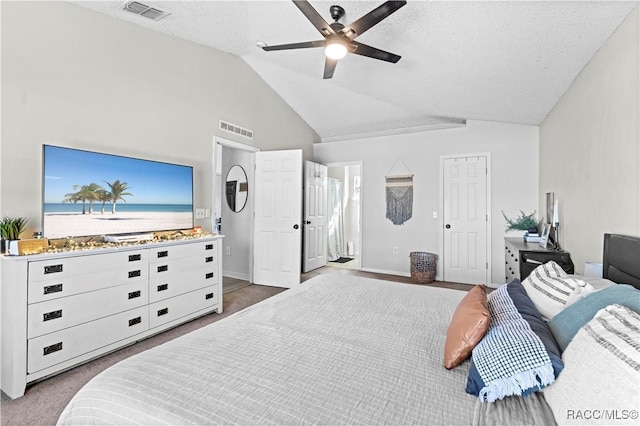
(621, 259)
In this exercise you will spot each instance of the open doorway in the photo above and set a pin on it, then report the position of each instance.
(344, 236)
(233, 211)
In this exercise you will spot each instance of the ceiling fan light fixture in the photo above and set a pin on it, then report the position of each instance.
(335, 49)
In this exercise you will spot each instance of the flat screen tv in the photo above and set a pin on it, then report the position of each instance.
(90, 193)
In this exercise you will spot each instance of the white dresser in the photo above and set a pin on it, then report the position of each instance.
(63, 309)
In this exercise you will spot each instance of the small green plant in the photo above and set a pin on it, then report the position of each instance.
(524, 222)
(12, 227)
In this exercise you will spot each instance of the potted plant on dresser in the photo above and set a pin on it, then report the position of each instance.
(524, 222)
(10, 230)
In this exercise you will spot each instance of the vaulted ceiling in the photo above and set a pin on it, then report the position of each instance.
(507, 61)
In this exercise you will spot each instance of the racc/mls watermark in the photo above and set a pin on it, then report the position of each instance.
(602, 414)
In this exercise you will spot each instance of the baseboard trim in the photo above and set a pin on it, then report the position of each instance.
(236, 275)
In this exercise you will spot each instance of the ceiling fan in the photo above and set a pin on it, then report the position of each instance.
(340, 39)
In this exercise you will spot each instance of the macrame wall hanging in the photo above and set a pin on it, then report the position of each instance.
(399, 193)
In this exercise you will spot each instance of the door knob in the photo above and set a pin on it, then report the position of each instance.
(447, 226)
(308, 222)
(296, 226)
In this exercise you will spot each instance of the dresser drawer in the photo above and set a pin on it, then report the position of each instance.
(170, 285)
(62, 286)
(179, 306)
(512, 263)
(47, 270)
(51, 349)
(198, 249)
(177, 266)
(53, 315)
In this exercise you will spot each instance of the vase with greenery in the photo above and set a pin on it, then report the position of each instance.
(524, 222)
(10, 229)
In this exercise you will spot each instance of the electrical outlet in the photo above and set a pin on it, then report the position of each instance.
(395, 250)
(228, 251)
(199, 213)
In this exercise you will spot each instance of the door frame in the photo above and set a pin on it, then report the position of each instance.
(440, 262)
(361, 164)
(217, 192)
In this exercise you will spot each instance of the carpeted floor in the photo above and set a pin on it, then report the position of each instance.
(44, 401)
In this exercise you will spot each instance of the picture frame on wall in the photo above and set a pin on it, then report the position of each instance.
(544, 236)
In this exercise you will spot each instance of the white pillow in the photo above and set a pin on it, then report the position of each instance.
(599, 384)
(596, 282)
(551, 290)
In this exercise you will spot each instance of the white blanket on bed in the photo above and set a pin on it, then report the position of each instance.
(336, 350)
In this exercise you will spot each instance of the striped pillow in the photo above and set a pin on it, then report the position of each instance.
(599, 383)
(551, 290)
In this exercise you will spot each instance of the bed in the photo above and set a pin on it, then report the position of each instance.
(336, 350)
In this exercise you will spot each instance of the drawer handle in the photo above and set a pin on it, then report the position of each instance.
(163, 268)
(133, 274)
(52, 269)
(163, 287)
(52, 348)
(208, 259)
(209, 275)
(52, 315)
(163, 311)
(56, 288)
(208, 247)
(134, 257)
(134, 321)
(208, 296)
(134, 294)
(163, 253)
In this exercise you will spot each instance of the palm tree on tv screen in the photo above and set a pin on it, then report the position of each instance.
(84, 193)
(118, 190)
(73, 198)
(105, 197)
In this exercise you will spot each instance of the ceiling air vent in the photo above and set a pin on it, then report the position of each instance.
(232, 128)
(144, 10)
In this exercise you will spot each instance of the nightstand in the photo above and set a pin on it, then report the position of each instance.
(521, 258)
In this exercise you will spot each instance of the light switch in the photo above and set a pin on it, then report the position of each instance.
(435, 215)
(199, 213)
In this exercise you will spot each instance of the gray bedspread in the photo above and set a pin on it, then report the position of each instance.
(336, 350)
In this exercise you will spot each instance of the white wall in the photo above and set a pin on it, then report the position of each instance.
(590, 148)
(78, 78)
(514, 156)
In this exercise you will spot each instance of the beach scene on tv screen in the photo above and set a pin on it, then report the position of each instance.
(88, 193)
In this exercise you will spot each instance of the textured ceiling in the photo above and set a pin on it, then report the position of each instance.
(507, 61)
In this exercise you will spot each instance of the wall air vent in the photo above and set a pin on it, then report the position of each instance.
(144, 10)
(232, 128)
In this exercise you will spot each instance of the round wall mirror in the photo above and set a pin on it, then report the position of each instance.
(237, 188)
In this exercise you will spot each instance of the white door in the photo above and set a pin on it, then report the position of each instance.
(315, 216)
(278, 218)
(465, 219)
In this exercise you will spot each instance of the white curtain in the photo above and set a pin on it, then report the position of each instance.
(335, 227)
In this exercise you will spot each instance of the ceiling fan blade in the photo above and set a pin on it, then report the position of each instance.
(329, 67)
(301, 45)
(314, 17)
(372, 52)
(361, 25)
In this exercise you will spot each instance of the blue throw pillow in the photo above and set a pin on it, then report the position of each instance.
(505, 341)
(567, 322)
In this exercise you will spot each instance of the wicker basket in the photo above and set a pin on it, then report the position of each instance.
(423, 267)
